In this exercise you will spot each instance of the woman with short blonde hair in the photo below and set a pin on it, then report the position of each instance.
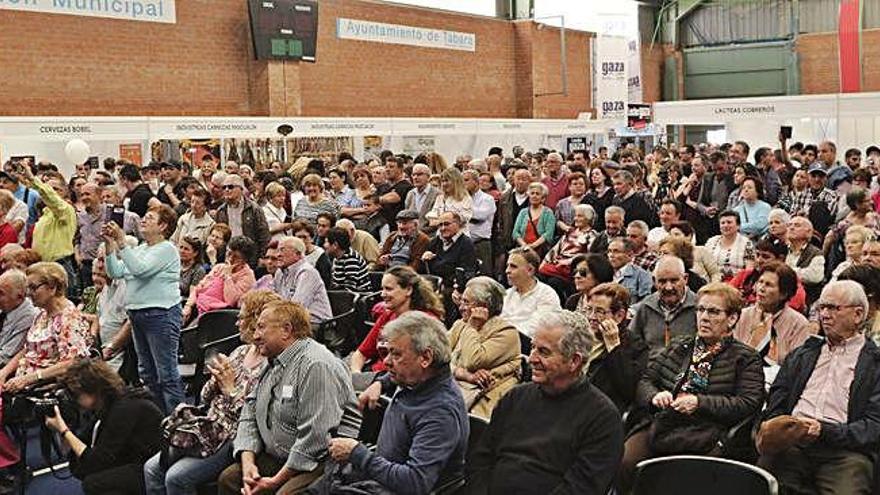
(452, 198)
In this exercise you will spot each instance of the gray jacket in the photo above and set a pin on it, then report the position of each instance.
(651, 322)
(409, 203)
(16, 324)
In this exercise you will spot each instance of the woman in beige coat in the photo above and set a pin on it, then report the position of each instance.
(485, 347)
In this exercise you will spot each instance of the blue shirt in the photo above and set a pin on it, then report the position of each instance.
(753, 218)
(32, 198)
(151, 274)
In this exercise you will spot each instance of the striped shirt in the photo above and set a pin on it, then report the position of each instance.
(302, 394)
(350, 272)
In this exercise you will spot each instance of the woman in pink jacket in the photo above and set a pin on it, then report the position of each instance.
(227, 282)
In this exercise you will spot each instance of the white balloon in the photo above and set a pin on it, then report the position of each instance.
(77, 151)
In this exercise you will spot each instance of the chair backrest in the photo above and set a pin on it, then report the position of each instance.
(371, 422)
(436, 282)
(681, 473)
(217, 324)
(478, 426)
(341, 301)
(376, 280)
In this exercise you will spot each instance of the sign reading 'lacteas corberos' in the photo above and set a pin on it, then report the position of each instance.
(131, 10)
(354, 29)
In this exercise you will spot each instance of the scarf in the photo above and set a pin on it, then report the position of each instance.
(695, 379)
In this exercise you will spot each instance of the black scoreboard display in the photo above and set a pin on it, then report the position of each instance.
(284, 29)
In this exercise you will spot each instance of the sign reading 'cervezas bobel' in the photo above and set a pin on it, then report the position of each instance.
(131, 10)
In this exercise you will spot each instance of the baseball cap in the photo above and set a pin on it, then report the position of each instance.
(818, 168)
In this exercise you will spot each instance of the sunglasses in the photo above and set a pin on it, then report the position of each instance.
(581, 273)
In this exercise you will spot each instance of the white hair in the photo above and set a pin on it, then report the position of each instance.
(425, 332)
(295, 242)
(587, 211)
(670, 260)
(853, 292)
(779, 212)
(577, 337)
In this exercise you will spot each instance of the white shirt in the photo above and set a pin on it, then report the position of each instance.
(656, 236)
(275, 217)
(19, 211)
(484, 213)
(523, 310)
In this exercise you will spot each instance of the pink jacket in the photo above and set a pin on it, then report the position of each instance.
(217, 292)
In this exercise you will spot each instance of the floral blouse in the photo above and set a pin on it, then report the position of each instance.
(50, 341)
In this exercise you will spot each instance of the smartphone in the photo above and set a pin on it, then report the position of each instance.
(785, 131)
(115, 214)
(460, 278)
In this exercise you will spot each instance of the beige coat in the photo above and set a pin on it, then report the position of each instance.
(494, 347)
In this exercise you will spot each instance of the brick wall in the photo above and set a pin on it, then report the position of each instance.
(203, 65)
(818, 62)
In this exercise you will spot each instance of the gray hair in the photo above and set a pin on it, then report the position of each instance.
(577, 337)
(615, 210)
(625, 176)
(422, 167)
(587, 211)
(555, 156)
(641, 225)
(295, 242)
(779, 212)
(15, 280)
(425, 332)
(670, 260)
(478, 165)
(488, 292)
(852, 290)
(541, 187)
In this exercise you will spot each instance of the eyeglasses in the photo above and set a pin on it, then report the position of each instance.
(582, 273)
(229, 187)
(835, 308)
(34, 288)
(710, 311)
(593, 309)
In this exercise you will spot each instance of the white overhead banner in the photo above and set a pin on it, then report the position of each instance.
(610, 72)
(721, 111)
(129, 10)
(626, 25)
(379, 32)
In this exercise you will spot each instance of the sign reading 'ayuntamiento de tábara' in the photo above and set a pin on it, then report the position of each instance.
(379, 32)
(130, 10)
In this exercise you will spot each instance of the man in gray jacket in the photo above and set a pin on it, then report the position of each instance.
(17, 315)
(670, 311)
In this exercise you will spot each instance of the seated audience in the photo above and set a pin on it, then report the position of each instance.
(200, 437)
(855, 238)
(580, 452)
(526, 295)
(869, 278)
(196, 222)
(732, 250)
(771, 326)
(752, 210)
(822, 422)
(227, 282)
(218, 236)
(406, 245)
(643, 256)
(114, 328)
(269, 265)
(349, 268)
(766, 251)
(365, 244)
(626, 273)
(281, 441)
(277, 218)
(535, 226)
(588, 271)
(556, 266)
(192, 265)
(704, 262)
(58, 336)
(449, 250)
(618, 357)
(721, 386)
(18, 313)
(125, 432)
(298, 281)
(485, 347)
(402, 290)
(804, 258)
(424, 431)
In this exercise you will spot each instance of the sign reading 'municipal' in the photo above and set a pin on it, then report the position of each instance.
(354, 29)
(130, 10)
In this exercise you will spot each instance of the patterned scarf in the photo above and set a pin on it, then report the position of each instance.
(695, 379)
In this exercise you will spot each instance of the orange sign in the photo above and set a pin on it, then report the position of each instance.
(132, 153)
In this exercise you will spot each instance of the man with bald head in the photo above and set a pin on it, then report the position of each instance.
(670, 311)
(509, 205)
(804, 258)
(422, 195)
(298, 281)
(556, 180)
(17, 314)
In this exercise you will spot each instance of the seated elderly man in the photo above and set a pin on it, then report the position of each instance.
(822, 422)
(449, 250)
(637, 280)
(424, 431)
(670, 311)
(304, 393)
(405, 245)
(18, 314)
(365, 244)
(581, 451)
(297, 280)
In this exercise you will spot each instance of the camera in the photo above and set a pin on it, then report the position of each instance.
(44, 406)
(663, 175)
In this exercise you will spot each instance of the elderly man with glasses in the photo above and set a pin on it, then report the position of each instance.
(242, 215)
(822, 422)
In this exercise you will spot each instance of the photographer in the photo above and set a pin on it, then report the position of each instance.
(125, 433)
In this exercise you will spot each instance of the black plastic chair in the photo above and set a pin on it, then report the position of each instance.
(371, 422)
(692, 474)
(478, 427)
(376, 281)
(338, 333)
(209, 349)
(210, 327)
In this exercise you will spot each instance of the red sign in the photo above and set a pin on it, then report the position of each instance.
(849, 41)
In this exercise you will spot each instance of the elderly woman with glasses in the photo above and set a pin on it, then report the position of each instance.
(58, 336)
(588, 271)
(556, 267)
(697, 388)
(485, 347)
(314, 202)
(200, 438)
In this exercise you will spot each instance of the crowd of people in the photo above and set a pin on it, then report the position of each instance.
(592, 310)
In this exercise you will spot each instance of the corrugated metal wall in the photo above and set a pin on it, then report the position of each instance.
(718, 22)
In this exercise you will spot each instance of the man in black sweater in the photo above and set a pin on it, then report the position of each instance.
(558, 434)
(626, 197)
(451, 256)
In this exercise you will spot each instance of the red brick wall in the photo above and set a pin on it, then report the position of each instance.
(71, 65)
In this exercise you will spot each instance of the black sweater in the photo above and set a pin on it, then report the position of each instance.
(129, 434)
(538, 443)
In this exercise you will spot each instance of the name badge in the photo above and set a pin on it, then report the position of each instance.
(287, 392)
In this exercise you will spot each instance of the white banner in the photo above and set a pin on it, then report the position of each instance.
(379, 32)
(609, 72)
(130, 10)
(626, 25)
